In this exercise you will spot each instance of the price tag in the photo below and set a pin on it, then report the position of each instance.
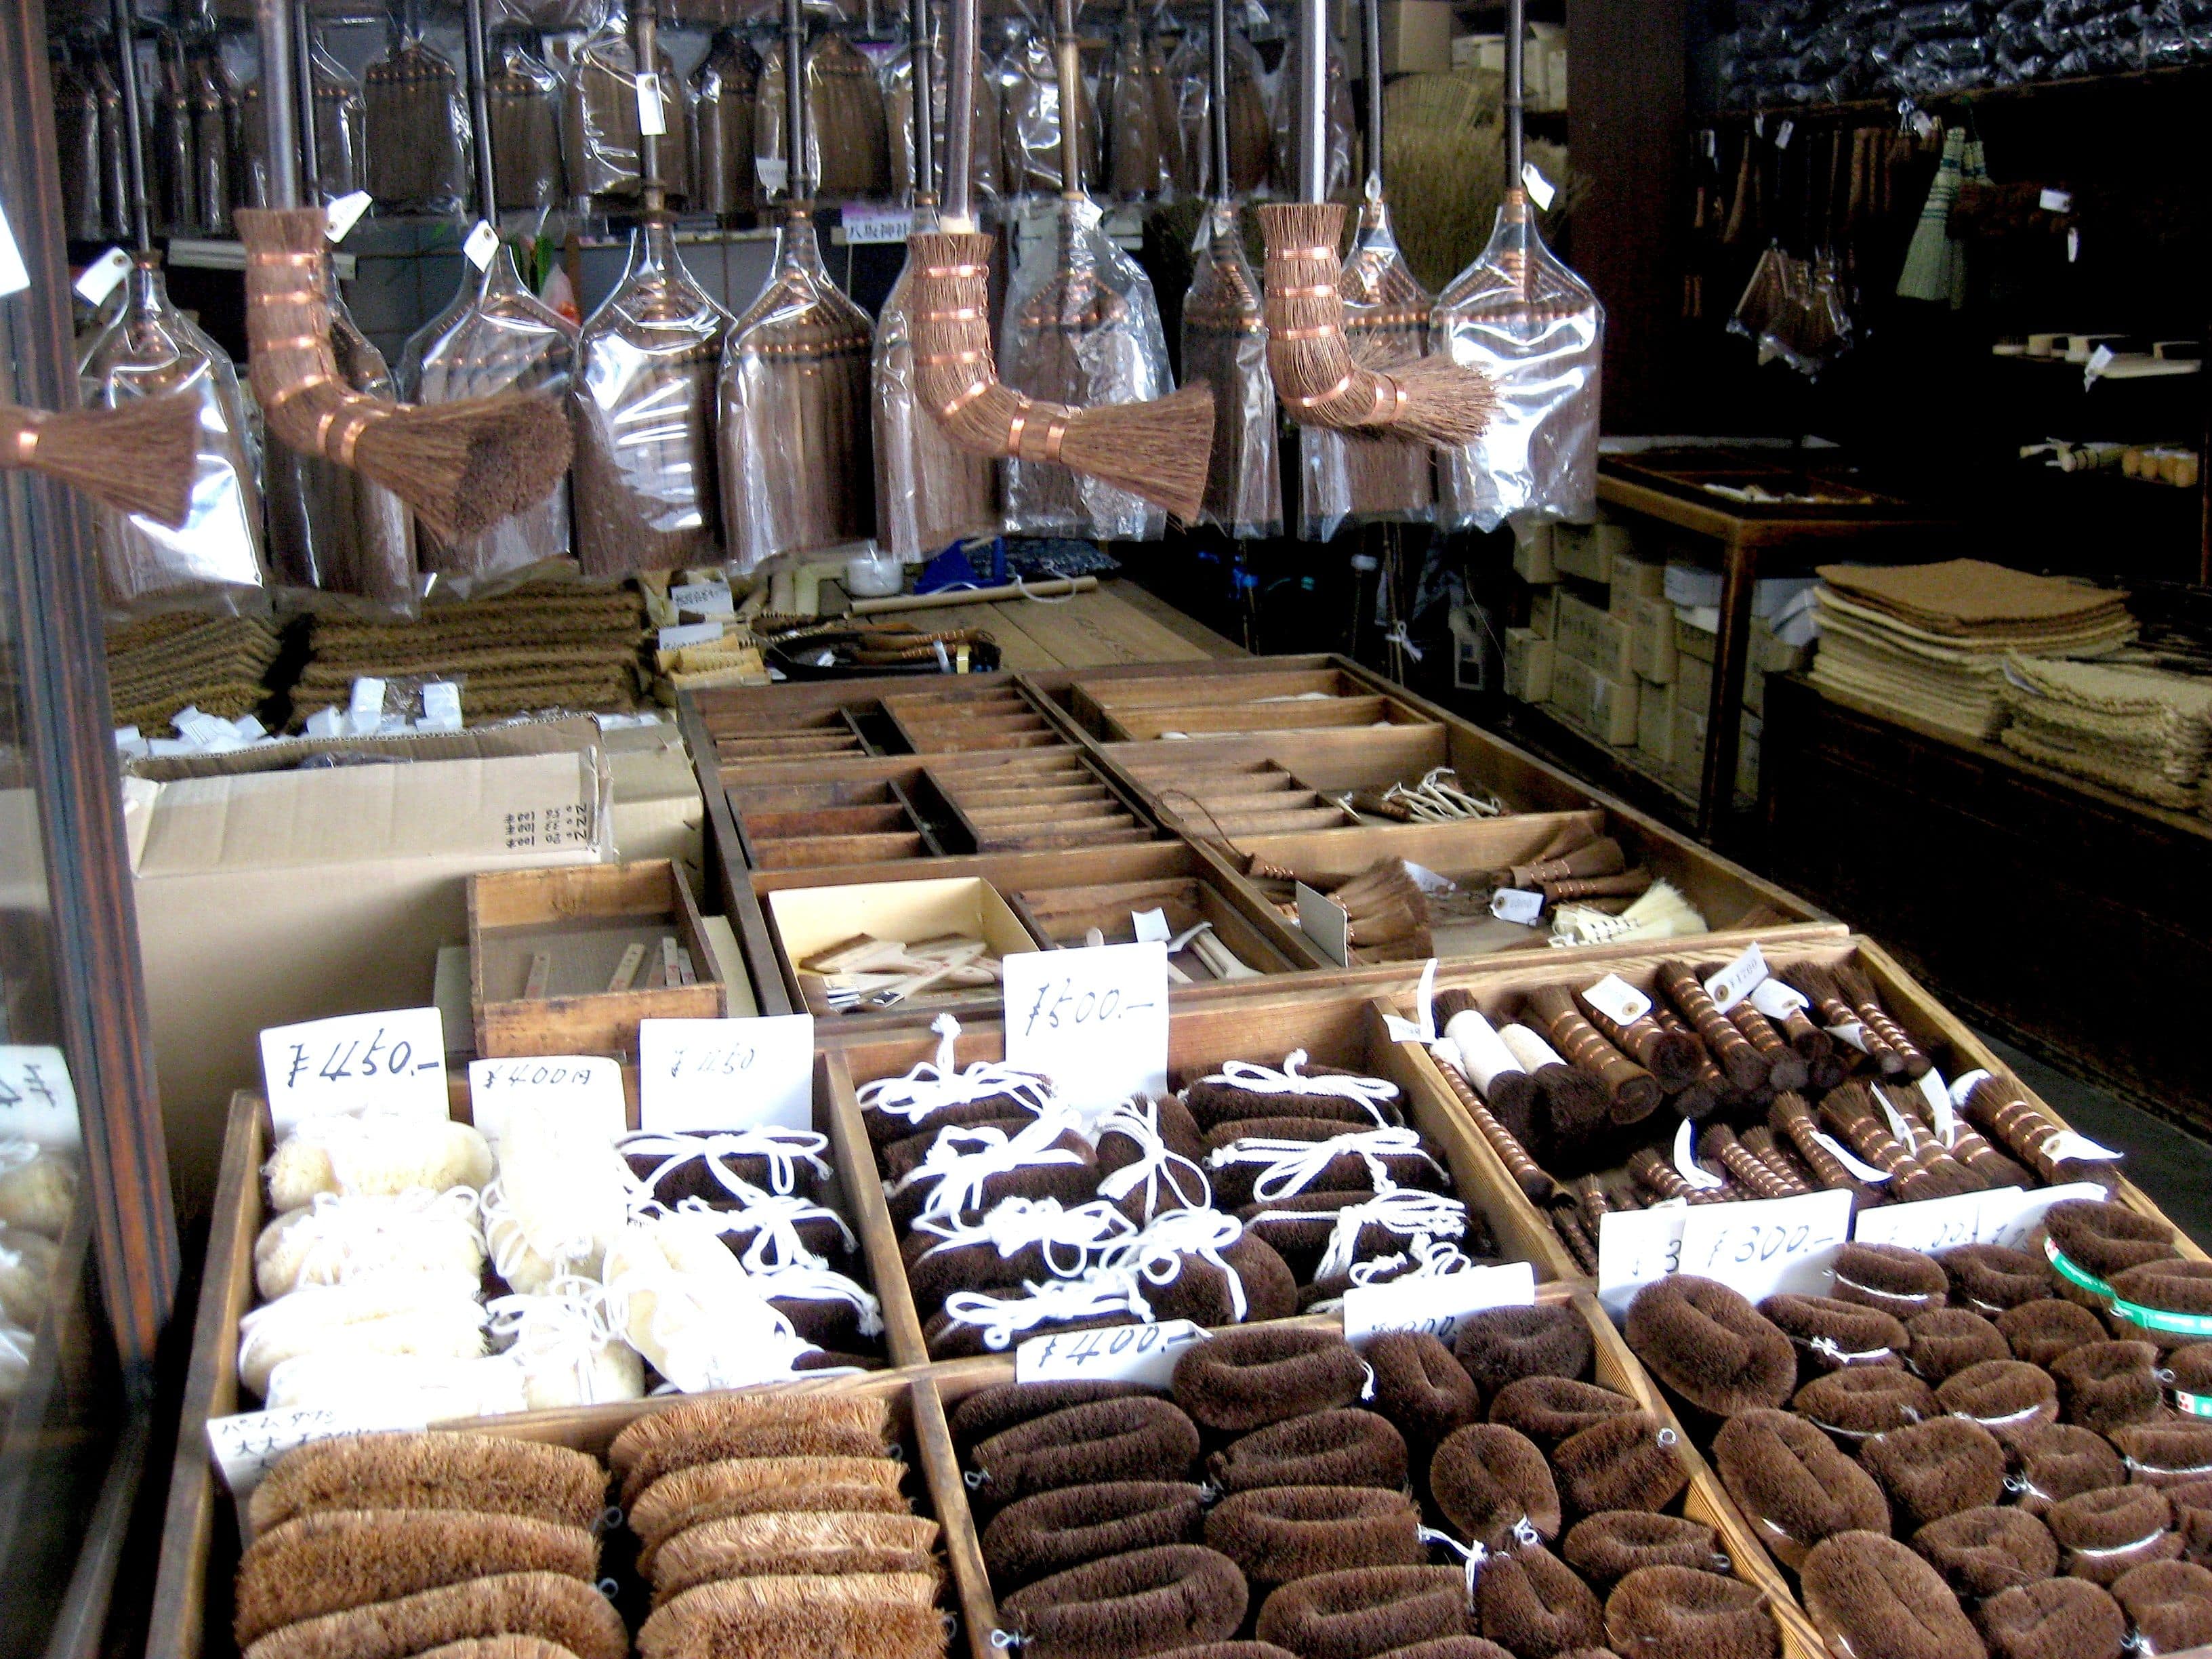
(1541, 190)
(2007, 1220)
(14, 278)
(1120, 1353)
(1514, 904)
(365, 708)
(585, 1090)
(1769, 1245)
(1738, 980)
(1778, 1000)
(245, 1446)
(1686, 1159)
(705, 633)
(1852, 1031)
(1784, 134)
(2099, 360)
(36, 1101)
(1634, 1248)
(1423, 1029)
(2072, 1142)
(1094, 1021)
(1151, 926)
(1618, 1000)
(708, 598)
(343, 215)
(726, 1074)
(2055, 201)
(482, 243)
(773, 171)
(389, 1062)
(2073, 245)
(1324, 921)
(652, 118)
(1934, 1224)
(101, 275)
(1435, 1305)
(1932, 1090)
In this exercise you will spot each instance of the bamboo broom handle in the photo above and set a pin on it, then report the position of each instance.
(959, 117)
(124, 21)
(476, 58)
(794, 102)
(645, 58)
(279, 103)
(1313, 103)
(1052, 589)
(1217, 127)
(1370, 19)
(1068, 57)
(311, 161)
(925, 145)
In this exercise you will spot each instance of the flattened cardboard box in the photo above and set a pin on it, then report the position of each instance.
(266, 896)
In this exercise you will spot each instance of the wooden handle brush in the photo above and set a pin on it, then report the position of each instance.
(1659, 1177)
(1703, 1092)
(1504, 1084)
(1785, 1067)
(1792, 1119)
(1818, 986)
(2000, 1110)
(1673, 1058)
(1600, 857)
(1568, 1224)
(1746, 1068)
(1575, 1106)
(1759, 1140)
(1632, 1093)
(1858, 990)
(137, 457)
(1974, 1157)
(1534, 1184)
(1743, 1164)
(1851, 1112)
(1627, 884)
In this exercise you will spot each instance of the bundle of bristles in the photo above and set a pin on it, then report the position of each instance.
(1582, 1109)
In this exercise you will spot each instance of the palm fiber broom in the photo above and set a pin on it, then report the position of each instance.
(793, 389)
(1430, 400)
(1157, 449)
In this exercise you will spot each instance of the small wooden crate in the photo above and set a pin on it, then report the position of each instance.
(584, 917)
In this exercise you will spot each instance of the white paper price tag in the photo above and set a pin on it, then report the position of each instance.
(652, 118)
(1094, 1021)
(389, 1062)
(1435, 1305)
(726, 1074)
(36, 1101)
(1423, 1029)
(1778, 1000)
(584, 1091)
(245, 1446)
(1323, 921)
(705, 633)
(1686, 1159)
(864, 223)
(1784, 134)
(708, 598)
(1934, 1224)
(1932, 1090)
(774, 172)
(1852, 1031)
(1513, 904)
(2008, 1221)
(2073, 1143)
(482, 243)
(100, 277)
(1151, 926)
(1618, 1000)
(1738, 980)
(343, 215)
(1634, 1248)
(1120, 1353)
(1769, 1245)
(1541, 190)
(14, 277)
(2055, 201)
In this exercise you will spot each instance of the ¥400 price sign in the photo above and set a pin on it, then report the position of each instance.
(389, 1062)
(1094, 1021)
(1119, 1353)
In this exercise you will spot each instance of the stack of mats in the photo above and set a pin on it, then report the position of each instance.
(554, 645)
(218, 664)
(2141, 731)
(1929, 641)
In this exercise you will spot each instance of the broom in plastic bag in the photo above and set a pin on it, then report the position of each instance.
(930, 493)
(1535, 330)
(1386, 317)
(496, 336)
(793, 388)
(1129, 453)
(644, 390)
(1224, 343)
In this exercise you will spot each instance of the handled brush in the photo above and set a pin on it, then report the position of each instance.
(137, 457)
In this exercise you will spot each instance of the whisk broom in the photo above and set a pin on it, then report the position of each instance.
(1157, 450)
(793, 387)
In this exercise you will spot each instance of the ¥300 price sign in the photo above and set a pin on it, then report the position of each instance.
(388, 1062)
(1094, 1021)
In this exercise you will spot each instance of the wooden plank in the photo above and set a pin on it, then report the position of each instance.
(1094, 629)
(1137, 597)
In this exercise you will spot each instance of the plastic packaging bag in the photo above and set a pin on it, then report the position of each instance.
(175, 180)
(1535, 328)
(1144, 136)
(500, 338)
(114, 182)
(847, 131)
(1386, 317)
(794, 413)
(1224, 340)
(600, 133)
(214, 133)
(523, 95)
(419, 134)
(341, 131)
(215, 561)
(1082, 327)
(549, 17)
(76, 140)
(724, 89)
(644, 403)
(1028, 117)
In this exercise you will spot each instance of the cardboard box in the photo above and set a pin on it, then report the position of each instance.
(1689, 755)
(1587, 550)
(1543, 607)
(1772, 654)
(1596, 637)
(1599, 702)
(1633, 578)
(1652, 648)
(1746, 755)
(267, 894)
(1694, 683)
(808, 920)
(1527, 666)
(1691, 640)
(1532, 553)
(1417, 38)
(658, 812)
(1654, 726)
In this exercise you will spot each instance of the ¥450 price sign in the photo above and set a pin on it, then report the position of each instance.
(391, 1062)
(1094, 1021)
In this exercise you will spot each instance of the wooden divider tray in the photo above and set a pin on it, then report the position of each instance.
(1032, 801)
(833, 820)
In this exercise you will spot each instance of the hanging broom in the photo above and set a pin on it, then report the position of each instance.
(136, 457)
(1157, 450)
(1430, 400)
(463, 467)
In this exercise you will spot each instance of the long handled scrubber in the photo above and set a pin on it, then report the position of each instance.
(1157, 450)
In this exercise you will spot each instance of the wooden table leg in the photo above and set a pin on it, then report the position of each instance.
(1724, 709)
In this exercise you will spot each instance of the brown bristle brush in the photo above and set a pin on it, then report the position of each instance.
(2001, 1110)
(1791, 1118)
(549, 1607)
(483, 1473)
(1819, 986)
(1504, 1085)
(1574, 1105)
(1745, 1066)
(1720, 1142)
(708, 1430)
(1527, 1174)
(863, 1615)
(1948, 1162)
(1702, 1093)
(813, 1541)
(1851, 1116)
(1632, 1093)
(756, 1485)
(1590, 860)
(137, 457)
(1662, 1180)
(1388, 912)
(1859, 992)
(1759, 1141)
(1786, 1067)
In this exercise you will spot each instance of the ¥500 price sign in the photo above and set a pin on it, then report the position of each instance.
(1094, 1021)
(388, 1062)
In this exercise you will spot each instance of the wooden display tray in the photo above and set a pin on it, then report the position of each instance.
(1063, 914)
(807, 920)
(886, 715)
(583, 916)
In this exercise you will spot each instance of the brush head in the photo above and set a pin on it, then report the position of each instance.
(549, 1607)
(816, 1542)
(709, 1430)
(137, 457)
(869, 1615)
(483, 1472)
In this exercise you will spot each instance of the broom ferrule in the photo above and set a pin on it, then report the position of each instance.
(1321, 397)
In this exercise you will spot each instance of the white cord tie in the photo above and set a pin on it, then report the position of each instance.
(773, 1220)
(1014, 1225)
(1371, 1092)
(566, 1329)
(1054, 1302)
(1156, 1255)
(1157, 1165)
(1288, 1167)
(1410, 1213)
(785, 1150)
(935, 1085)
(962, 1160)
(811, 1282)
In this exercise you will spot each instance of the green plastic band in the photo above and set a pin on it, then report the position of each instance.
(2074, 1274)
(2192, 1405)
(2161, 1318)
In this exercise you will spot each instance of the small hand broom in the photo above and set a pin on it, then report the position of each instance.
(137, 457)
(1157, 449)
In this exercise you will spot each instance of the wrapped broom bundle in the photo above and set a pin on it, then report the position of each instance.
(214, 130)
(725, 88)
(848, 142)
(1031, 131)
(793, 391)
(1340, 132)
(1143, 139)
(1251, 135)
(76, 143)
(176, 197)
(341, 123)
(600, 134)
(522, 104)
(418, 127)
(114, 175)
(1535, 330)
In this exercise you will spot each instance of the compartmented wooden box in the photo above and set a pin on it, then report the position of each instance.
(958, 926)
(1207, 705)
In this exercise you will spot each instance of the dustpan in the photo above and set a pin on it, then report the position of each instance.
(794, 391)
(496, 336)
(1538, 331)
(644, 397)
(929, 492)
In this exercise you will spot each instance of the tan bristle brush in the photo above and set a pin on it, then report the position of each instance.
(546, 1607)
(706, 1430)
(480, 1471)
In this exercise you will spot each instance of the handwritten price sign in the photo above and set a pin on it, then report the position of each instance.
(1768, 1245)
(37, 1102)
(388, 1062)
(585, 1090)
(1120, 1353)
(727, 1073)
(1435, 1305)
(246, 1446)
(1094, 1021)
(1634, 1248)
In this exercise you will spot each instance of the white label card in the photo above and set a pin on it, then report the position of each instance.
(245, 1446)
(1934, 1224)
(1777, 1000)
(705, 633)
(708, 598)
(2010, 1223)
(1634, 1248)
(441, 705)
(585, 1090)
(1618, 1000)
(482, 243)
(726, 1074)
(2055, 201)
(365, 708)
(393, 1061)
(773, 171)
(1120, 1353)
(14, 277)
(864, 223)
(1738, 980)
(101, 275)
(343, 215)
(1515, 904)
(1852, 1031)
(1686, 1159)
(1541, 190)
(1323, 921)
(36, 1101)
(1784, 134)
(652, 118)
(1435, 1305)
(1769, 1245)
(1151, 926)
(2072, 1142)
(1094, 1021)
(1425, 1003)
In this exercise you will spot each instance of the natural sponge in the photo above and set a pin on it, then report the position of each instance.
(1626, 1462)
(882, 1615)
(2040, 1331)
(1948, 1339)
(1345, 1448)
(1982, 1552)
(1421, 1387)
(1797, 1488)
(1831, 1331)
(1891, 1278)
(1500, 1345)
(1987, 1278)
(2108, 1385)
(2055, 1619)
(1680, 1613)
(1549, 1409)
(1248, 1377)
(1365, 1611)
(706, 1429)
(1936, 1468)
(2169, 1602)
(1491, 1482)
(1135, 1438)
(1883, 1599)
(1534, 1603)
(1049, 1532)
(1137, 1603)
(2106, 1532)
(2167, 1454)
(1712, 1346)
(480, 1471)
(1278, 1533)
(1610, 1546)
(549, 1605)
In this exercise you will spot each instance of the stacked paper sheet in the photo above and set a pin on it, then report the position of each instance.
(2142, 731)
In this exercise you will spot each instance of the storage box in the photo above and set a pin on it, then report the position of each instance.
(1417, 38)
(1632, 579)
(1602, 704)
(1655, 727)
(1596, 637)
(1532, 553)
(1653, 649)
(1772, 654)
(1543, 609)
(658, 811)
(1692, 683)
(1691, 640)
(808, 920)
(1587, 550)
(1747, 755)
(1527, 666)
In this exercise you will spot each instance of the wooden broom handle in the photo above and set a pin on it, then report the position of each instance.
(959, 115)
(1068, 53)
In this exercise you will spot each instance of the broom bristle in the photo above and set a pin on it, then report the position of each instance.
(137, 457)
(464, 466)
(687, 1497)
(549, 1607)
